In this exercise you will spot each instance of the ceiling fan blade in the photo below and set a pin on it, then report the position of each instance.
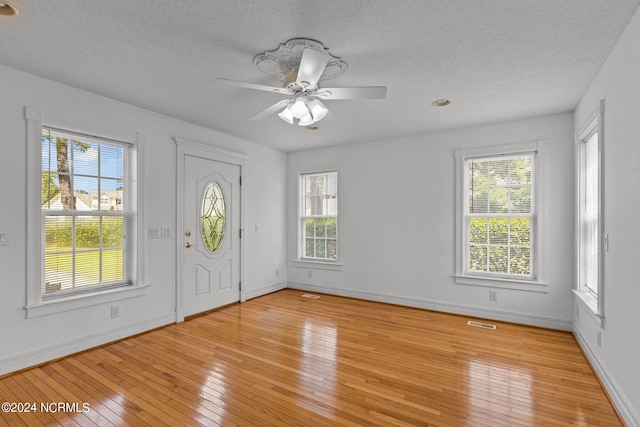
(255, 86)
(312, 66)
(271, 110)
(355, 92)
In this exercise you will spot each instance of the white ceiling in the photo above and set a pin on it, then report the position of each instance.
(495, 59)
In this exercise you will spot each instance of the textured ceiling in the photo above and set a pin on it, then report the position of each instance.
(495, 59)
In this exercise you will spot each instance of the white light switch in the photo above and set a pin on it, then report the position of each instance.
(4, 239)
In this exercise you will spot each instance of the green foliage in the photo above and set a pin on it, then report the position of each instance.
(60, 261)
(320, 238)
(58, 232)
(500, 186)
(50, 187)
(501, 245)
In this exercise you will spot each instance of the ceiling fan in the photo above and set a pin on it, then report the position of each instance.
(301, 64)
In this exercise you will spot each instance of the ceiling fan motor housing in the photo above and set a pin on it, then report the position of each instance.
(284, 61)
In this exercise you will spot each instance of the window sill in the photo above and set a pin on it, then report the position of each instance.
(75, 302)
(318, 264)
(591, 305)
(492, 282)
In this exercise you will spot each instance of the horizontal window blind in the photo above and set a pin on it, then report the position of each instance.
(500, 215)
(591, 214)
(84, 213)
(320, 215)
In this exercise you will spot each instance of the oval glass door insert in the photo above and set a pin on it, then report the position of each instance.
(213, 216)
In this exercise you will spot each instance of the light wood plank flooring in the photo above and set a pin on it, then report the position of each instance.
(286, 360)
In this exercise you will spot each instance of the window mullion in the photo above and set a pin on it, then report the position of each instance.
(488, 246)
(315, 238)
(509, 245)
(100, 250)
(73, 252)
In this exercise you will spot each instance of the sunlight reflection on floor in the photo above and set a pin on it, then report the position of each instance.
(499, 389)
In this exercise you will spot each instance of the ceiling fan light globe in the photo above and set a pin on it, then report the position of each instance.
(306, 120)
(318, 110)
(286, 115)
(299, 108)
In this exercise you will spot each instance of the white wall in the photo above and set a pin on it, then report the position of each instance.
(24, 342)
(398, 223)
(617, 359)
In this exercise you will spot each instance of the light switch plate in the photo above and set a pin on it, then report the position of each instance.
(154, 233)
(4, 238)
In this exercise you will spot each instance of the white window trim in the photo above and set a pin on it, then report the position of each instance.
(538, 284)
(595, 123)
(35, 305)
(300, 261)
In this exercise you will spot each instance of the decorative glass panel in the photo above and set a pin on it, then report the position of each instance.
(213, 216)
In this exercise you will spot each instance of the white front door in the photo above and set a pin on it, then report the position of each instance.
(210, 234)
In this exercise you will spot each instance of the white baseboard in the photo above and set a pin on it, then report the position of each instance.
(47, 353)
(622, 404)
(465, 310)
(254, 293)
(51, 352)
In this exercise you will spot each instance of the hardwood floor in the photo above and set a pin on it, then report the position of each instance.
(286, 360)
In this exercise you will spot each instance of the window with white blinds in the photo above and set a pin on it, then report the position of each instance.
(590, 215)
(319, 216)
(84, 214)
(500, 216)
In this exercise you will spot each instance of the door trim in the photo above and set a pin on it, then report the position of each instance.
(184, 148)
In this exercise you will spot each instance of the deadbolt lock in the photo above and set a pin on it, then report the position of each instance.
(188, 233)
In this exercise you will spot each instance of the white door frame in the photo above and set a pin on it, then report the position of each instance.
(191, 148)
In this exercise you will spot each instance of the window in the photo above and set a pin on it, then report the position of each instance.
(319, 220)
(591, 236)
(499, 216)
(83, 244)
(84, 214)
(498, 222)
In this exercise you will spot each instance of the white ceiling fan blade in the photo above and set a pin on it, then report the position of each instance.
(312, 66)
(271, 110)
(255, 86)
(355, 92)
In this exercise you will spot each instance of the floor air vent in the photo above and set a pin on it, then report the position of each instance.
(481, 325)
(310, 296)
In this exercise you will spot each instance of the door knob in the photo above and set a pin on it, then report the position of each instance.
(188, 233)
(187, 245)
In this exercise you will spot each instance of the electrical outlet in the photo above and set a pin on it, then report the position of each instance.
(278, 272)
(493, 295)
(115, 311)
(309, 274)
(599, 338)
